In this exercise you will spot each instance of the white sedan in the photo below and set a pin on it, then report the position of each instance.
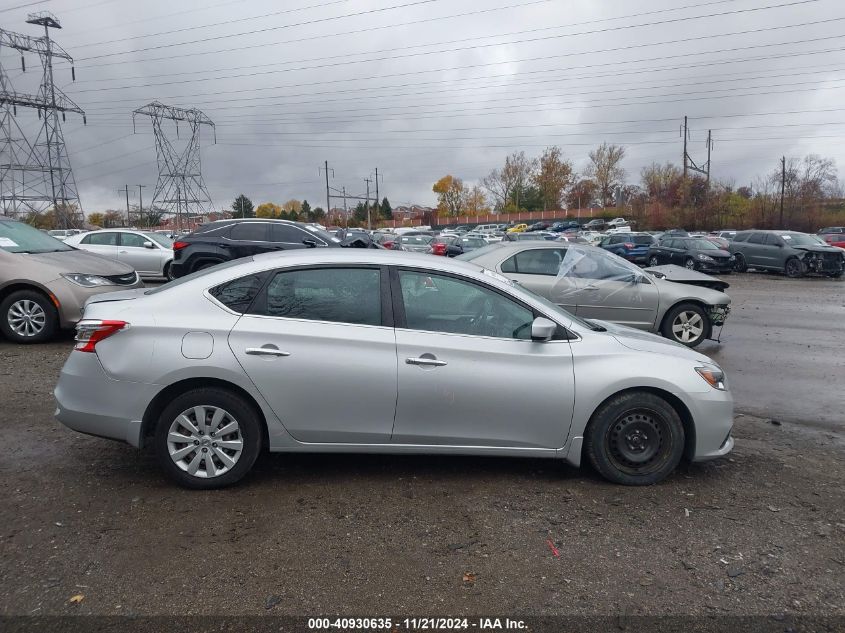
(151, 254)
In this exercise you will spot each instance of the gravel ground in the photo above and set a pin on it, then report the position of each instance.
(760, 532)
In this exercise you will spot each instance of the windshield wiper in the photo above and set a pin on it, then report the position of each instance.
(595, 327)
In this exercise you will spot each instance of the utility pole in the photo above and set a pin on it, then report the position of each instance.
(328, 193)
(126, 191)
(685, 133)
(378, 200)
(369, 220)
(709, 147)
(141, 200)
(782, 186)
(345, 212)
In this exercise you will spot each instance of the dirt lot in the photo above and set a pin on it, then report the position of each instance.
(762, 532)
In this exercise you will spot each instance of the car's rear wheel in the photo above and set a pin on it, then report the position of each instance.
(207, 438)
(653, 261)
(794, 268)
(635, 439)
(740, 265)
(687, 324)
(168, 271)
(27, 316)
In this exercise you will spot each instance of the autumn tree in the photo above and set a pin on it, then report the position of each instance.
(508, 184)
(268, 210)
(450, 195)
(662, 183)
(553, 177)
(475, 202)
(606, 170)
(242, 207)
(96, 219)
(112, 219)
(581, 194)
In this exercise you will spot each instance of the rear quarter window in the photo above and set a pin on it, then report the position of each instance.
(238, 294)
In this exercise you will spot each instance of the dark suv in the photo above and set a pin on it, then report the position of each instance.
(225, 240)
(631, 246)
(792, 253)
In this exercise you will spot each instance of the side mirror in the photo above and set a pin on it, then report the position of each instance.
(148, 245)
(542, 329)
(309, 243)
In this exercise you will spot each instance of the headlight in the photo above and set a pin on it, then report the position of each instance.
(705, 258)
(87, 281)
(713, 377)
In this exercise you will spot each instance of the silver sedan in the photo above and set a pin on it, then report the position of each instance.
(149, 253)
(268, 352)
(595, 284)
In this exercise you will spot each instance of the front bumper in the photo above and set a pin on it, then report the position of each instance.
(713, 415)
(90, 402)
(72, 297)
(715, 267)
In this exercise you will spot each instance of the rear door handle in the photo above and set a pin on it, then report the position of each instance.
(265, 351)
(429, 362)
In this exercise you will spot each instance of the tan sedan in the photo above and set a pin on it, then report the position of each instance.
(44, 283)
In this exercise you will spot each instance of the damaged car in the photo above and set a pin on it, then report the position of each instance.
(789, 252)
(595, 284)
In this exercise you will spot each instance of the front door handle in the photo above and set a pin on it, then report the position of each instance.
(428, 362)
(265, 351)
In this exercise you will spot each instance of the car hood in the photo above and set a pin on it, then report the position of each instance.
(816, 249)
(673, 291)
(683, 275)
(647, 342)
(77, 261)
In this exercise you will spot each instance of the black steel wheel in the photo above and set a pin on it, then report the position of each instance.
(635, 438)
(794, 268)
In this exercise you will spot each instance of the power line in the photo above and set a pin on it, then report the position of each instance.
(481, 46)
(23, 6)
(393, 26)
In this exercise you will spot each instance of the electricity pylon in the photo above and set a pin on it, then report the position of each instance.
(180, 189)
(37, 175)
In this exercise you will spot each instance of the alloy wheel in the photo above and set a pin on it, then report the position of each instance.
(688, 326)
(653, 261)
(26, 318)
(690, 264)
(205, 441)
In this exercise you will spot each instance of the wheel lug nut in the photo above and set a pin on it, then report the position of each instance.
(205, 450)
(214, 444)
(196, 442)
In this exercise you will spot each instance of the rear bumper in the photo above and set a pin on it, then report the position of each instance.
(90, 402)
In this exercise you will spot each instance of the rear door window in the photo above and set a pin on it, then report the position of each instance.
(289, 234)
(757, 238)
(250, 232)
(101, 239)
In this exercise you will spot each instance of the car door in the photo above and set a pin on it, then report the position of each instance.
(102, 243)
(772, 251)
(753, 249)
(537, 269)
(131, 250)
(465, 356)
(607, 288)
(288, 236)
(676, 251)
(660, 250)
(248, 238)
(301, 318)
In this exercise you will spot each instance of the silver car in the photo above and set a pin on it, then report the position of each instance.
(273, 352)
(595, 284)
(148, 252)
(44, 282)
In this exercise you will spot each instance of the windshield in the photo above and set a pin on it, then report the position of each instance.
(323, 235)
(801, 239)
(163, 240)
(642, 239)
(704, 245)
(479, 252)
(17, 237)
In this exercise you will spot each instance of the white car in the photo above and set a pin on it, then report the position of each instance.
(617, 222)
(63, 234)
(149, 253)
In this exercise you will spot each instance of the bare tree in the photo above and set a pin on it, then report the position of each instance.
(508, 184)
(605, 169)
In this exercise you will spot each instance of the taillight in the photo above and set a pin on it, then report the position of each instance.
(628, 245)
(89, 332)
(179, 245)
(438, 249)
(387, 245)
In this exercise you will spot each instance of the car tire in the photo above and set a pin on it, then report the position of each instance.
(689, 263)
(168, 271)
(653, 261)
(204, 264)
(793, 268)
(694, 317)
(200, 461)
(740, 265)
(635, 439)
(28, 316)
(836, 275)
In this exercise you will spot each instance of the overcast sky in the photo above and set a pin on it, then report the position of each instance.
(422, 88)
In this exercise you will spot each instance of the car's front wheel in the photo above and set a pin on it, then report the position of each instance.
(740, 265)
(687, 324)
(689, 264)
(207, 438)
(635, 438)
(27, 316)
(653, 261)
(794, 268)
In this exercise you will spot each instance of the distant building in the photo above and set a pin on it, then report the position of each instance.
(411, 212)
